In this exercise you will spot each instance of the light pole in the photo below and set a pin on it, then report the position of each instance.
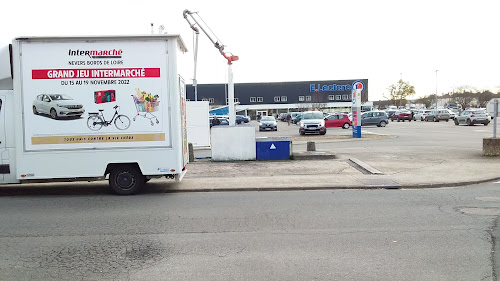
(436, 89)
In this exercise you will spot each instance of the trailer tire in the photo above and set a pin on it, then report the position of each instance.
(126, 179)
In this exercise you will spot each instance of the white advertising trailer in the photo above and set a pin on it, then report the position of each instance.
(87, 108)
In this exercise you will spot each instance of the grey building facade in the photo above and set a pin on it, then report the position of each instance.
(276, 97)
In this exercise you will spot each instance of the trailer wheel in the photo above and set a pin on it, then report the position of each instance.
(126, 179)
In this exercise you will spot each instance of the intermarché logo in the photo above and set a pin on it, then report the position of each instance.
(98, 54)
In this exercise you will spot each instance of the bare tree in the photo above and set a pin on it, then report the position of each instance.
(464, 99)
(427, 100)
(484, 97)
(382, 103)
(464, 89)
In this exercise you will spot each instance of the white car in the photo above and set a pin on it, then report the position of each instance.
(57, 105)
(420, 115)
(452, 114)
(312, 122)
(471, 117)
(487, 113)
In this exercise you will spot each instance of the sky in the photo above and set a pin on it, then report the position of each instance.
(280, 41)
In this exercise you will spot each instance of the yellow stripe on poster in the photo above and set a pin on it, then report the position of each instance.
(98, 138)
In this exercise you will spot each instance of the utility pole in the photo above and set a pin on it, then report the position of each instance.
(436, 89)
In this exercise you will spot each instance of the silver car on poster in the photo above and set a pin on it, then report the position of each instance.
(57, 105)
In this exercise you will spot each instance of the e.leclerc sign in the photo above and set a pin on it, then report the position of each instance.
(331, 88)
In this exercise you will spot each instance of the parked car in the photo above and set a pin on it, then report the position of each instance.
(420, 114)
(472, 117)
(268, 123)
(282, 116)
(378, 118)
(338, 120)
(438, 114)
(452, 113)
(57, 105)
(298, 118)
(390, 112)
(401, 115)
(241, 119)
(294, 117)
(490, 116)
(312, 122)
(223, 120)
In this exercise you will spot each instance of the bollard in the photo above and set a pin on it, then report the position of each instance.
(191, 152)
(311, 146)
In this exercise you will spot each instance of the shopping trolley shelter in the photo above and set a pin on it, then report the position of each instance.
(123, 112)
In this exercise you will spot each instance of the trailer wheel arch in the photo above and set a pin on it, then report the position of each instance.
(125, 178)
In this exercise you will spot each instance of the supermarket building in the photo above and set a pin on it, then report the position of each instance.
(272, 98)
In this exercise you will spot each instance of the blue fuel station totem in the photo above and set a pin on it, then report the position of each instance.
(357, 88)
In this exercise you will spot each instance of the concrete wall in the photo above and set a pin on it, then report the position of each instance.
(491, 146)
(233, 143)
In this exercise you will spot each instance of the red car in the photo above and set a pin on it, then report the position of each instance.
(402, 115)
(338, 120)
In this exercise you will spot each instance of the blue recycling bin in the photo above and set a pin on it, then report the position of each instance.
(273, 148)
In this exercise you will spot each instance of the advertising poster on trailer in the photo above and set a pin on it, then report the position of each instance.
(81, 95)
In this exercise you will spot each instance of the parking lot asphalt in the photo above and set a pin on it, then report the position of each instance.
(401, 155)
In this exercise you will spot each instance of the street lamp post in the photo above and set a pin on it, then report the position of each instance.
(436, 89)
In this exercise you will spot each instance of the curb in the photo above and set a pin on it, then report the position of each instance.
(310, 188)
(452, 184)
(313, 155)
